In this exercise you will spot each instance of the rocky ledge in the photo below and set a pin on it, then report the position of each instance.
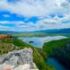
(18, 60)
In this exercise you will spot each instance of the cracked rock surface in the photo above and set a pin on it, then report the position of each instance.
(18, 60)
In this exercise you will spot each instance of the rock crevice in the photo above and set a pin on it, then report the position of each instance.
(18, 58)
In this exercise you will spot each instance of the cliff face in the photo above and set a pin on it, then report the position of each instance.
(60, 50)
(18, 60)
(13, 43)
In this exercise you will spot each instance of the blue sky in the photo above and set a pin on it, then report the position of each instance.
(7, 16)
(31, 15)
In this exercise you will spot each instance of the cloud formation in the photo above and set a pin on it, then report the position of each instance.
(33, 7)
(34, 14)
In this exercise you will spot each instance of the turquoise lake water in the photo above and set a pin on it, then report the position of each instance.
(53, 62)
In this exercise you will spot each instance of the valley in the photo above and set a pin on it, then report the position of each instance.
(50, 52)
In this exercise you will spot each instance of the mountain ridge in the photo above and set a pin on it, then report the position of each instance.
(66, 30)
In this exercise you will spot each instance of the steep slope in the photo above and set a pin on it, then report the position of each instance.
(60, 50)
(17, 44)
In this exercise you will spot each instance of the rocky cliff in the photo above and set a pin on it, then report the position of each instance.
(18, 60)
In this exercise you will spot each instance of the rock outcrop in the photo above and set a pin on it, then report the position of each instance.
(18, 60)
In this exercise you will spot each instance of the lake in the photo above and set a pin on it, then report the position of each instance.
(57, 65)
(39, 41)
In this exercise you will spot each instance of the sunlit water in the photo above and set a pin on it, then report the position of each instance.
(39, 41)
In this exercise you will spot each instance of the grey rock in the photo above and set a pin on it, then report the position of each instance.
(18, 57)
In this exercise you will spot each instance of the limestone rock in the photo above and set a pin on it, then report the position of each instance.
(18, 59)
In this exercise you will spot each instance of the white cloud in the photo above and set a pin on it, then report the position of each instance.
(39, 8)
(32, 7)
(40, 25)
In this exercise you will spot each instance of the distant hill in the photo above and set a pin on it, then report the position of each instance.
(65, 32)
(8, 32)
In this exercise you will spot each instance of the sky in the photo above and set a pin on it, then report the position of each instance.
(32, 15)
